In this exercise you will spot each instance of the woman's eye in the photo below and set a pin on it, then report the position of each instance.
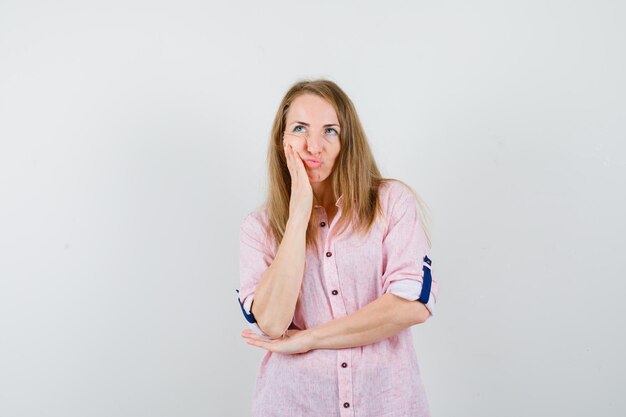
(295, 129)
(331, 129)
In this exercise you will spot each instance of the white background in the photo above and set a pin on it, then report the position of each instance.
(133, 138)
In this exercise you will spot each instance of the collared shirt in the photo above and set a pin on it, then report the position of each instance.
(347, 272)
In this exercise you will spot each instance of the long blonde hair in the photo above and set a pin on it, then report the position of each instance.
(355, 174)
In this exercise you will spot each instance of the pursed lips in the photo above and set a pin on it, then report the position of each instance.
(313, 163)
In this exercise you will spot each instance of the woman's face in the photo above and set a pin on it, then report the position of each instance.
(312, 129)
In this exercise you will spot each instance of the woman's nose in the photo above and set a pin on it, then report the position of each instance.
(314, 143)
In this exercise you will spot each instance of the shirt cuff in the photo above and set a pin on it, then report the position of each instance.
(412, 290)
(247, 313)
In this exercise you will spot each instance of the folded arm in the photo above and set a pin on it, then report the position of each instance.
(382, 318)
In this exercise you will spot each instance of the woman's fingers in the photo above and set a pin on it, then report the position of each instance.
(293, 163)
(293, 158)
(289, 158)
(249, 334)
(294, 342)
(299, 164)
(301, 194)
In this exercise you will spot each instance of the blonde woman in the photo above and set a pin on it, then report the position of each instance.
(334, 270)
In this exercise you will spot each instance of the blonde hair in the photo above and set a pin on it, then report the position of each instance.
(355, 174)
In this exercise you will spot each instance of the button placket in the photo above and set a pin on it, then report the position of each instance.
(344, 379)
(331, 277)
(332, 283)
(337, 305)
(330, 270)
(322, 221)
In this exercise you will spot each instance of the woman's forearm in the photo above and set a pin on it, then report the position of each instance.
(382, 318)
(277, 292)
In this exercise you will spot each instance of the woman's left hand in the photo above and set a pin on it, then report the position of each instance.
(294, 341)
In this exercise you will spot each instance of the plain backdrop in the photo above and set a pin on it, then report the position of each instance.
(133, 139)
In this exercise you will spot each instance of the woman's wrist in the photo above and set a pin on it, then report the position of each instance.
(296, 225)
(312, 341)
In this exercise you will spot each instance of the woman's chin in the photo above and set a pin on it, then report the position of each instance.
(315, 176)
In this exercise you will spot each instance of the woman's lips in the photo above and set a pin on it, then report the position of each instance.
(313, 163)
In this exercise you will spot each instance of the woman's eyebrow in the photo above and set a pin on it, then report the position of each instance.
(306, 124)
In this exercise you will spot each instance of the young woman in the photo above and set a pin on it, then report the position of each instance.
(334, 270)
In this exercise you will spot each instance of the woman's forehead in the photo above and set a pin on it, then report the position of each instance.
(310, 108)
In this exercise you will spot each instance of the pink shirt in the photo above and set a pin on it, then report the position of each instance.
(381, 379)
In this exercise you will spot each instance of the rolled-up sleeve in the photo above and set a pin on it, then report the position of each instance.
(407, 266)
(255, 257)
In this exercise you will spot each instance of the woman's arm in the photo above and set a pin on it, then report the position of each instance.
(383, 317)
(277, 292)
(378, 320)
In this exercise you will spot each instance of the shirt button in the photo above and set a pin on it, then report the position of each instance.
(344, 365)
(322, 224)
(346, 405)
(328, 254)
(335, 292)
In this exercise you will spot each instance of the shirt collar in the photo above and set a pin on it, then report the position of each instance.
(338, 203)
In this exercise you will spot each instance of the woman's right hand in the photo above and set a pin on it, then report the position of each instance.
(301, 200)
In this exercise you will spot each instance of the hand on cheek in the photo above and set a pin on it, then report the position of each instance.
(289, 141)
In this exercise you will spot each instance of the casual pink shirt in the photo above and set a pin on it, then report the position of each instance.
(381, 379)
